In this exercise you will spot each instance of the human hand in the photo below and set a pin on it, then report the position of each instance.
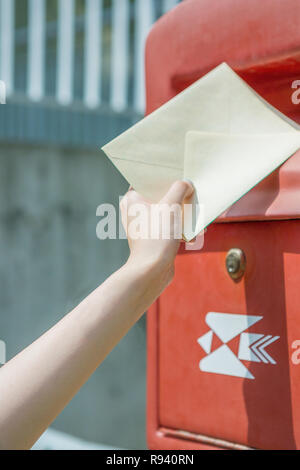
(155, 243)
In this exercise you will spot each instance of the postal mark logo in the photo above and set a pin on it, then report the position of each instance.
(251, 345)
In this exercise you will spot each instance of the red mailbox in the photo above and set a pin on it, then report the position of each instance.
(221, 368)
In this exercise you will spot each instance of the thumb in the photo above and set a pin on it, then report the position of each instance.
(178, 192)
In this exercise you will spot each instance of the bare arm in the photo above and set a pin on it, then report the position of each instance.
(38, 383)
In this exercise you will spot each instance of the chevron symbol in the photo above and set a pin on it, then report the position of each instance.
(251, 345)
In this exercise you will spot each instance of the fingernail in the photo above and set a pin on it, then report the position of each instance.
(192, 188)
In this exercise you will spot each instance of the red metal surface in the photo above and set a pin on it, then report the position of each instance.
(188, 408)
(259, 413)
(261, 42)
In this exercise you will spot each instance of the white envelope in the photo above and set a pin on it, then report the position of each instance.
(224, 167)
(158, 150)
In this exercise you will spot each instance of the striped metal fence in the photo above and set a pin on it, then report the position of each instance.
(87, 51)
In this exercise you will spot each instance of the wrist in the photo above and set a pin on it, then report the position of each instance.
(155, 272)
(150, 266)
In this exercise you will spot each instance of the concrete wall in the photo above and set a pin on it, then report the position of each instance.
(50, 260)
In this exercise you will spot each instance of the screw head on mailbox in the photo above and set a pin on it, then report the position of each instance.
(236, 263)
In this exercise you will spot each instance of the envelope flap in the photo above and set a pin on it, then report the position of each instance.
(160, 137)
(219, 102)
(223, 168)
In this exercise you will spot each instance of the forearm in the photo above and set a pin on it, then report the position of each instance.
(38, 383)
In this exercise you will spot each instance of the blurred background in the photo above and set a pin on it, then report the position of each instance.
(74, 74)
